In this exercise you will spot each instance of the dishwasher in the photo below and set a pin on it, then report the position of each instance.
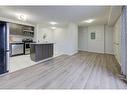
(17, 49)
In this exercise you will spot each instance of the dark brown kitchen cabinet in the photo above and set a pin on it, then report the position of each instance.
(40, 51)
(15, 29)
(18, 29)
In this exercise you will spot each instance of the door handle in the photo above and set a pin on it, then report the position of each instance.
(116, 43)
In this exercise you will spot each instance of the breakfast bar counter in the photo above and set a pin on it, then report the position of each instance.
(41, 51)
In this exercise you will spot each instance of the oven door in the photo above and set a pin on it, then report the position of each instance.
(27, 48)
(16, 49)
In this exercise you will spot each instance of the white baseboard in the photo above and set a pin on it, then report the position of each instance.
(72, 53)
(96, 52)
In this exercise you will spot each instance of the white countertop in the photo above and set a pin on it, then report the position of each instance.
(15, 42)
(42, 43)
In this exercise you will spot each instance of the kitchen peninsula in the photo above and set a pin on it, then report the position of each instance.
(41, 51)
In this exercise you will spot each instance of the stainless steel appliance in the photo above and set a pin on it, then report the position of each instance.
(27, 45)
(27, 48)
(17, 49)
(4, 47)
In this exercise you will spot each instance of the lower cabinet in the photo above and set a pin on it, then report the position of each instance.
(41, 51)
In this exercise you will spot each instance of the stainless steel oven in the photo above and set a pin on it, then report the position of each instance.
(17, 49)
(27, 42)
(27, 48)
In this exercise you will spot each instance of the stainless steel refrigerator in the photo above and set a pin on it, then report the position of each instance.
(4, 47)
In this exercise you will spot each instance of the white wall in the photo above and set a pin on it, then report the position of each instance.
(109, 39)
(117, 40)
(72, 39)
(66, 39)
(42, 31)
(102, 43)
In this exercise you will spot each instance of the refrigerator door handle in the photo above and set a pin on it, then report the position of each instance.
(8, 61)
(7, 43)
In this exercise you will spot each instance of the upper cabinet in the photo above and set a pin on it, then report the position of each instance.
(15, 29)
(28, 31)
(18, 29)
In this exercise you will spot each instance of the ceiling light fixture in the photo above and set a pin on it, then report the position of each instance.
(89, 20)
(53, 23)
(22, 17)
(53, 28)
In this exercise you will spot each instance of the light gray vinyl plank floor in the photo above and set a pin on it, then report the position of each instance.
(84, 70)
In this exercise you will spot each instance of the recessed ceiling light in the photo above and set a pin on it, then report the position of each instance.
(53, 28)
(53, 23)
(89, 20)
(22, 17)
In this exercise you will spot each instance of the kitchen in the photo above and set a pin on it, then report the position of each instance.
(21, 47)
(20, 38)
(24, 28)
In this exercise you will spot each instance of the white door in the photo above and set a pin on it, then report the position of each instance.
(117, 39)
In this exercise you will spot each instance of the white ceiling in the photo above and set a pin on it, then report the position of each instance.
(62, 14)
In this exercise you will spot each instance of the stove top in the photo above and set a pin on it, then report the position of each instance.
(27, 40)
